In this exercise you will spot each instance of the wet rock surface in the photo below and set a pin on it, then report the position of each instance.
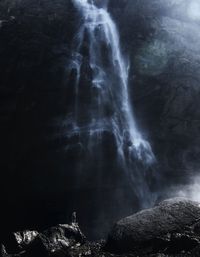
(170, 227)
(162, 39)
(42, 166)
(18, 241)
(162, 43)
(55, 241)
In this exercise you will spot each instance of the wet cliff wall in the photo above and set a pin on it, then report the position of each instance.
(162, 42)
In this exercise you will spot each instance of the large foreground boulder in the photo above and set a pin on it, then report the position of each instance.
(170, 227)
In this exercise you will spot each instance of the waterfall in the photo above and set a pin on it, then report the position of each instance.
(100, 84)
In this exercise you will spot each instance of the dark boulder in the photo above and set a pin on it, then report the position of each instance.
(56, 241)
(168, 227)
(3, 252)
(18, 241)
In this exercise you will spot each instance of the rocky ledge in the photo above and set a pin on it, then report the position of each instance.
(171, 228)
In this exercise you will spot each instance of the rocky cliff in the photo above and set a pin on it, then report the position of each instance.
(38, 185)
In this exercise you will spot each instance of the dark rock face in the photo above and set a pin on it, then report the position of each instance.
(18, 241)
(38, 172)
(55, 241)
(168, 227)
(40, 164)
(162, 39)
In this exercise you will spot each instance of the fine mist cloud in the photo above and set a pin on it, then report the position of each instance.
(191, 191)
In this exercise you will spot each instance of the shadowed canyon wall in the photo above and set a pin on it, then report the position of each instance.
(38, 185)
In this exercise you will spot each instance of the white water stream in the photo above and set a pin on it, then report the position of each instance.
(109, 108)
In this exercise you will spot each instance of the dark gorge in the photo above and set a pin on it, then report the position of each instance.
(99, 109)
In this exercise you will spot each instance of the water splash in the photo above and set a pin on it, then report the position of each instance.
(102, 102)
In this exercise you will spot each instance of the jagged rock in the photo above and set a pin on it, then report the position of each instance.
(56, 241)
(24, 238)
(168, 227)
(3, 252)
(18, 241)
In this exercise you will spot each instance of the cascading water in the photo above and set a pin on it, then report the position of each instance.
(100, 93)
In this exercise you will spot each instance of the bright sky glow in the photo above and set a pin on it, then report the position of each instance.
(194, 10)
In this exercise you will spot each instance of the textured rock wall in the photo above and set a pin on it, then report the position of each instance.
(161, 41)
(35, 41)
